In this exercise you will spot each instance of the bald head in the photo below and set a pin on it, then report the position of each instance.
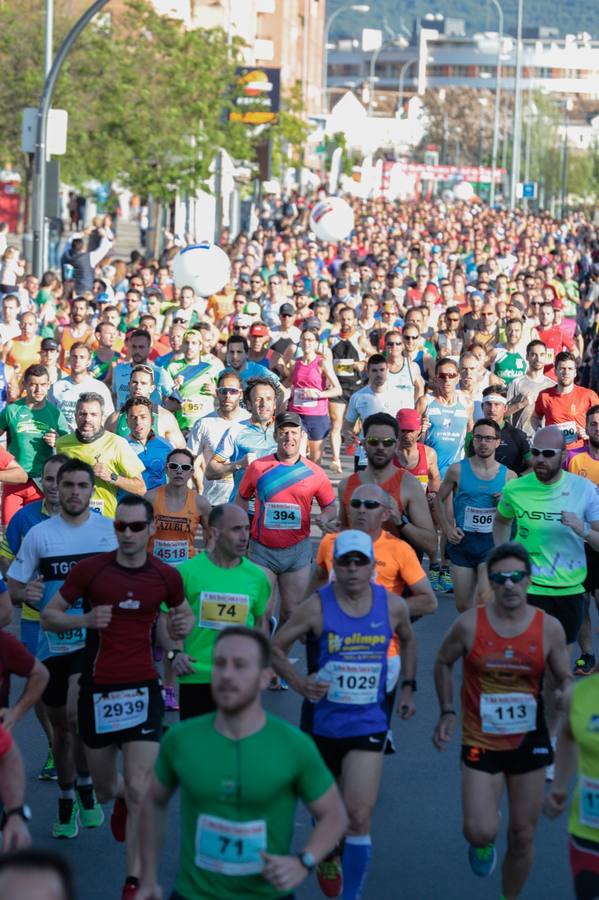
(365, 519)
(549, 438)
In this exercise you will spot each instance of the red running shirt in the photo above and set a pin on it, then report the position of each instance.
(284, 495)
(501, 685)
(122, 653)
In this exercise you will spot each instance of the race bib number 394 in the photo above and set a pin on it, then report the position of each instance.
(231, 848)
(508, 713)
(278, 516)
(219, 610)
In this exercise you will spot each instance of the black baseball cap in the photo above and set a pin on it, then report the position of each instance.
(287, 309)
(288, 418)
(49, 344)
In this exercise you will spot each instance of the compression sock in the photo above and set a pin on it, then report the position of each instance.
(355, 861)
(66, 792)
(84, 781)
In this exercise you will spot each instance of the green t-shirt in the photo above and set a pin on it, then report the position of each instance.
(219, 597)
(557, 552)
(509, 366)
(196, 399)
(256, 781)
(25, 429)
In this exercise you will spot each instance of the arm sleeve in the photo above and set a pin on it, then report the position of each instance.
(100, 252)
(16, 658)
(540, 406)
(25, 564)
(247, 487)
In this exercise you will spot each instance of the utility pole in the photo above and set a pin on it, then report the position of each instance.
(517, 122)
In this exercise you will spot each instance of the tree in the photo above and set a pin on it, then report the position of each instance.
(460, 124)
(290, 133)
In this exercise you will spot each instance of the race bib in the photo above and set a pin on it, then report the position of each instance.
(119, 710)
(282, 515)
(344, 368)
(353, 683)
(568, 429)
(479, 520)
(589, 801)
(230, 848)
(97, 505)
(221, 610)
(66, 641)
(300, 398)
(508, 713)
(171, 552)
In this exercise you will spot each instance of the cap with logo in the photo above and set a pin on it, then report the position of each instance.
(288, 418)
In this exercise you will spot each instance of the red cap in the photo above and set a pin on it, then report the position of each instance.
(409, 420)
(259, 328)
(557, 304)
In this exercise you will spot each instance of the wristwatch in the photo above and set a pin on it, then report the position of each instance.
(403, 521)
(114, 477)
(307, 860)
(23, 811)
(171, 654)
(409, 682)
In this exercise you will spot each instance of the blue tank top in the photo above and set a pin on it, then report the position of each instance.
(3, 387)
(473, 502)
(447, 431)
(352, 656)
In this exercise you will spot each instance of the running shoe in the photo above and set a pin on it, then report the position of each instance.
(91, 814)
(434, 576)
(482, 859)
(118, 820)
(445, 582)
(170, 699)
(48, 770)
(67, 823)
(585, 664)
(130, 890)
(330, 876)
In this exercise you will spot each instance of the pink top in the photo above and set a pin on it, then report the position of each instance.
(308, 375)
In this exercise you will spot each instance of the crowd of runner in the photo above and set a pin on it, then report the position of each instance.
(431, 383)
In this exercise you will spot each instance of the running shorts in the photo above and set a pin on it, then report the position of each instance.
(334, 750)
(472, 550)
(535, 752)
(584, 863)
(94, 715)
(591, 582)
(568, 610)
(316, 427)
(61, 668)
(281, 559)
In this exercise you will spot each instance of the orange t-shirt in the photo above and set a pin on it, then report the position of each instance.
(396, 565)
(566, 410)
(24, 353)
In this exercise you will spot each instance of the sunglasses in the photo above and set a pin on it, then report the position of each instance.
(121, 527)
(380, 442)
(395, 343)
(410, 337)
(547, 454)
(504, 577)
(368, 504)
(347, 560)
(447, 376)
(175, 467)
(225, 391)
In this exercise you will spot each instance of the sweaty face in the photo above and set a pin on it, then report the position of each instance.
(88, 417)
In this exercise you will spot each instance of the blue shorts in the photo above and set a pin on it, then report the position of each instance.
(472, 550)
(279, 560)
(29, 634)
(316, 427)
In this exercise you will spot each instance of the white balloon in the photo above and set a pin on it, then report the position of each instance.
(204, 267)
(447, 196)
(332, 219)
(463, 191)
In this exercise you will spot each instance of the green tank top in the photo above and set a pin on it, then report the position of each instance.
(122, 429)
(584, 722)
(512, 366)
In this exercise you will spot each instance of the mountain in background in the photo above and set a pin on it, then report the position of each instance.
(396, 17)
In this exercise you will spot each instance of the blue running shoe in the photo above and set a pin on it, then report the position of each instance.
(482, 859)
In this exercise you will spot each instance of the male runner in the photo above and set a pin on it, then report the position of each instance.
(115, 463)
(236, 841)
(65, 392)
(506, 648)
(164, 424)
(207, 433)
(47, 553)
(223, 588)
(522, 393)
(565, 404)
(466, 508)
(411, 519)
(284, 484)
(418, 459)
(577, 754)
(353, 621)
(513, 450)
(555, 513)
(120, 703)
(195, 378)
(585, 462)
(139, 345)
(151, 449)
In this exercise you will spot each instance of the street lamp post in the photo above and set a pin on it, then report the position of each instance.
(39, 193)
(494, 149)
(402, 75)
(356, 7)
(517, 121)
(391, 42)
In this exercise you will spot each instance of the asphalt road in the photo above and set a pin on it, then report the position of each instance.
(418, 850)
